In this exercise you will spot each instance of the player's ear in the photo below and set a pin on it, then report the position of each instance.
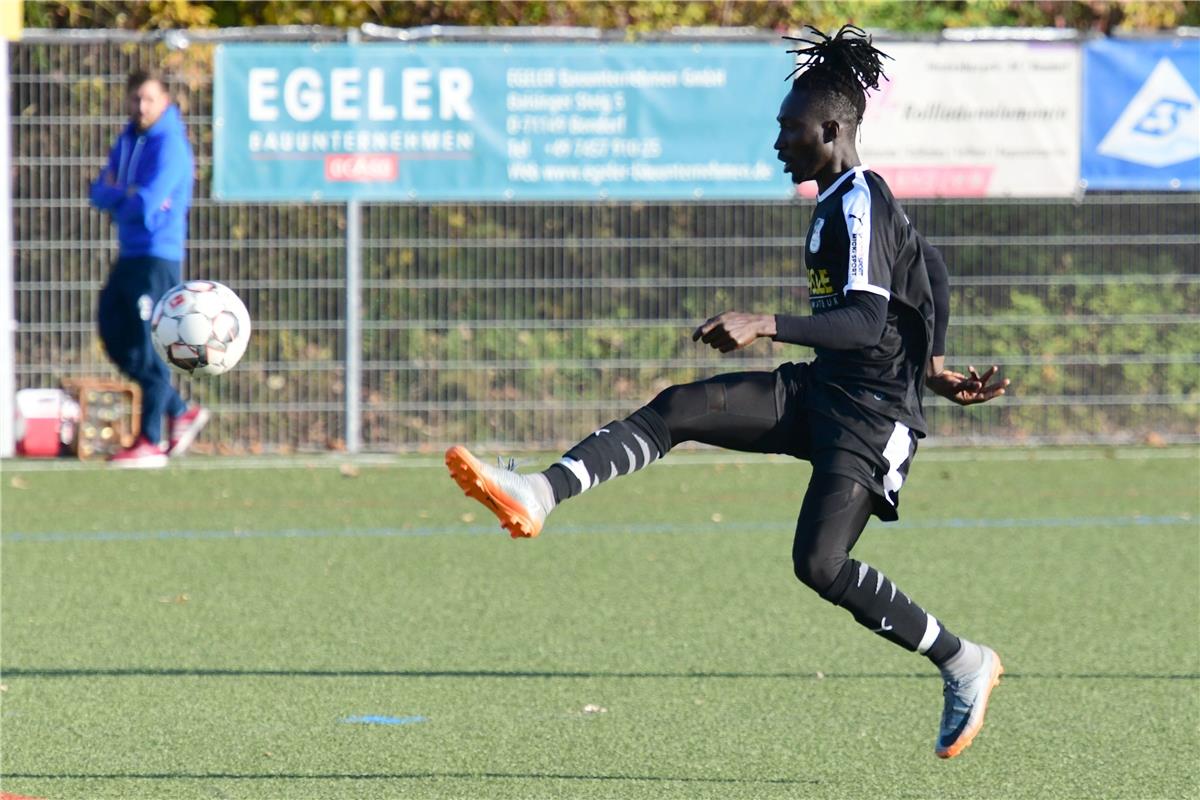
(830, 130)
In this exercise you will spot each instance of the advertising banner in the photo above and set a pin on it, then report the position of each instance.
(978, 119)
(11, 21)
(498, 122)
(1141, 105)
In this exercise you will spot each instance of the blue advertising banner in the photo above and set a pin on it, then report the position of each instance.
(498, 122)
(1141, 115)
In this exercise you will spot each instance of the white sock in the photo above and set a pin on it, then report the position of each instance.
(966, 661)
(541, 488)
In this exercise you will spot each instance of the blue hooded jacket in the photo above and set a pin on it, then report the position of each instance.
(150, 190)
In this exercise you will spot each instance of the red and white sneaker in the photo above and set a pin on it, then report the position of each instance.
(144, 454)
(183, 430)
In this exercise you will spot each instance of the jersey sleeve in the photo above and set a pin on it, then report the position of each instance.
(939, 283)
(872, 243)
(857, 324)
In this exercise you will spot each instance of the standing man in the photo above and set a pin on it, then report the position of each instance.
(879, 298)
(147, 189)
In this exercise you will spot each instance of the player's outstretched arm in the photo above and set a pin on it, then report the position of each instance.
(859, 323)
(954, 386)
(733, 330)
(965, 390)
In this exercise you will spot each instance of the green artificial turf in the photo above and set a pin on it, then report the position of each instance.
(206, 632)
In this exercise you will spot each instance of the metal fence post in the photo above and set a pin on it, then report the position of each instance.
(353, 356)
(8, 367)
(353, 326)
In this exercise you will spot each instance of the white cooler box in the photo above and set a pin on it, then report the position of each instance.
(45, 421)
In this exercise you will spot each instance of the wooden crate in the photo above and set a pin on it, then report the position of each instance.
(110, 415)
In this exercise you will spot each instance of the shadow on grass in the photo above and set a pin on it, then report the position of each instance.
(170, 776)
(202, 672)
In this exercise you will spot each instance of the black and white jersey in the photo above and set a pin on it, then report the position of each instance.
(861, 241)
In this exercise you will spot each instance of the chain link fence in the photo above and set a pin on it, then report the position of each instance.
(526, 325)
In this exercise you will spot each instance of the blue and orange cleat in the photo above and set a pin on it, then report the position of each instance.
(966, 702)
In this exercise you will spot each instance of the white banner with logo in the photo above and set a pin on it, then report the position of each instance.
(978, 119)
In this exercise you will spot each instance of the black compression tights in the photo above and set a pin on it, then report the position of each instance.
(738, 411)
(744, 411)
(834, 513)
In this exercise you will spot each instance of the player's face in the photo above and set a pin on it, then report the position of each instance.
(147, 103)
(804, 144)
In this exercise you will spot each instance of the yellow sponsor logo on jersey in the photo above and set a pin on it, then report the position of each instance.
(819, 283)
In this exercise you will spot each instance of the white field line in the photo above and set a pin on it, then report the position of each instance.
(683, 459)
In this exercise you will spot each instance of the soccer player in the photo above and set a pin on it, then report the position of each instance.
(146, 188)
(880, 305)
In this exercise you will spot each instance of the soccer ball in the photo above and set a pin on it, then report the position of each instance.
(200, 327)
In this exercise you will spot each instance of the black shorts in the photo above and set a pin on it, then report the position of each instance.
(843, 437)
(822, 425)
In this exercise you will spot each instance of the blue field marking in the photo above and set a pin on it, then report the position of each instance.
(969, 523)
(377, 719)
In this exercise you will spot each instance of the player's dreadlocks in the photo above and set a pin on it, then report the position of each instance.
(843, 67)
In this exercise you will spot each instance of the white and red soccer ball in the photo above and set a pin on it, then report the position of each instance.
(200, 327)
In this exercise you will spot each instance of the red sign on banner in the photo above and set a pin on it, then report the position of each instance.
(950, 180)
(362, 168)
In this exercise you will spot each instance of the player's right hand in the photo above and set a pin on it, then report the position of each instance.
(733, 330)
(966, 390)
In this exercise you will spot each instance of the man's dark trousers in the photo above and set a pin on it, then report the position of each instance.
(133, 287)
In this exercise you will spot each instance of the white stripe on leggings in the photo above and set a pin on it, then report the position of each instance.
(932, 629)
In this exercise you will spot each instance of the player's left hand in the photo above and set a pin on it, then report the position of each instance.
(733, 330)
(967, 389)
